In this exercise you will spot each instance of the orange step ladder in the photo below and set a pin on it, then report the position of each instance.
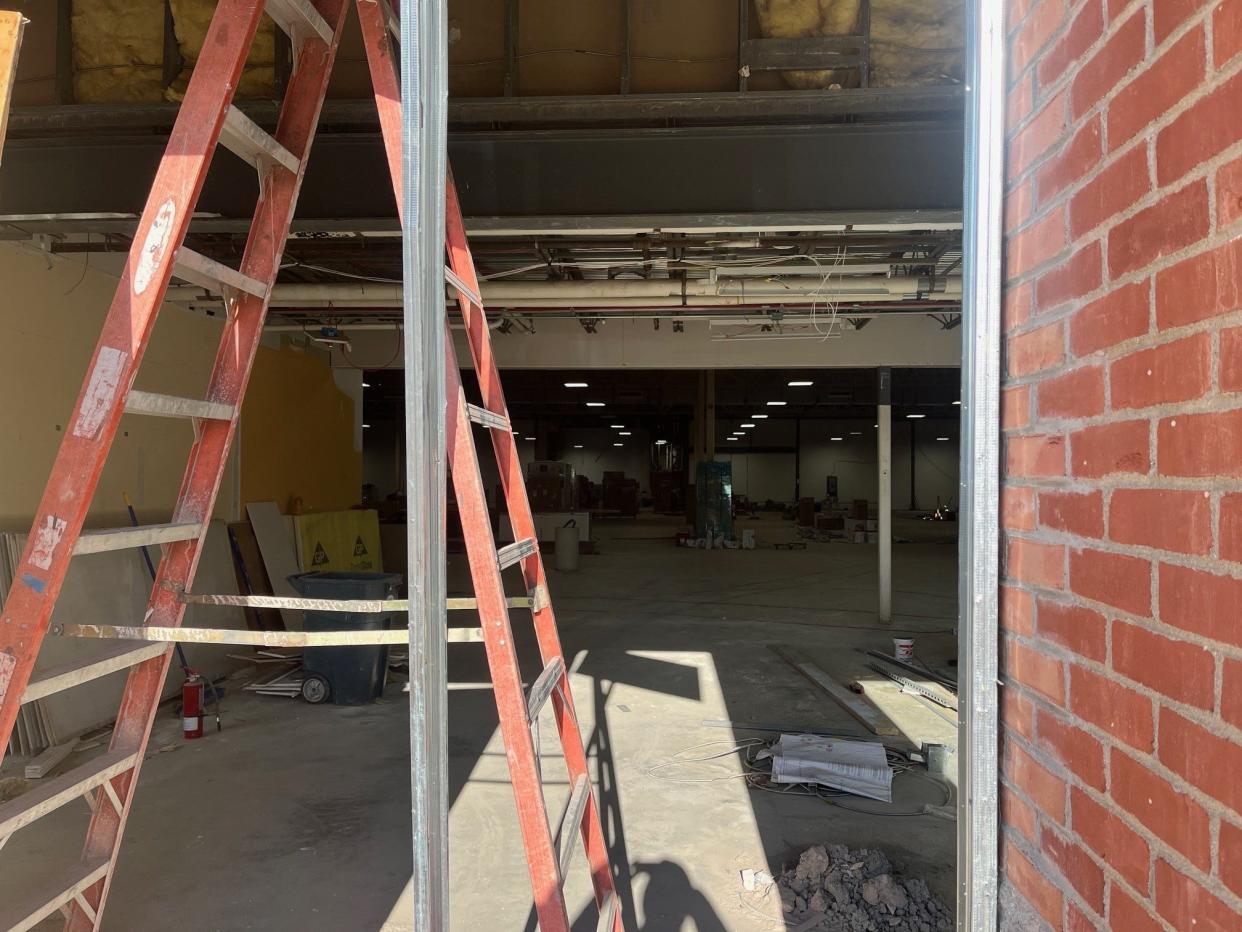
(207, 119)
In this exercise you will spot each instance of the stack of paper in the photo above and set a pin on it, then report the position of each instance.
(859, 767)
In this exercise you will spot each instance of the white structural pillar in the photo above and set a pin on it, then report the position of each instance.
(884, 451)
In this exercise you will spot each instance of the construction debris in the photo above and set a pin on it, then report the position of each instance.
(858, 891)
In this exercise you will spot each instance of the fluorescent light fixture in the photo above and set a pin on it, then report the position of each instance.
(577, 446)
(958, 402)
(528, 438)
(368, 385)
(776, 404)
(836, 438)
(624, 433)
(618, 444)
(617, 426)
(916, 417)
(594, 404)
(875, 425)
(758, 417)
(576, 385)
(731, 438)
(855, 433)
(748, 425)
(660, 443)
(942, 438)
(800, 384)
(366, 425)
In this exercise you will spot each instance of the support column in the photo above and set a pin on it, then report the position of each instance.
(709, 420)
(884, 441)
(424, 127)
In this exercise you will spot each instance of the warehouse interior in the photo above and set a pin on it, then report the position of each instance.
(724, 291)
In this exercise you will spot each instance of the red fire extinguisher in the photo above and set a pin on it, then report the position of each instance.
(192, 695)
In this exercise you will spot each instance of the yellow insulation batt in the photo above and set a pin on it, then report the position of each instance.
(913, 42)
(118, 50)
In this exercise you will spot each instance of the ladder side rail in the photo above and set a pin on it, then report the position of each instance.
(514, 485)
(385, 84)
(502, 659)
(299, 117)
(123, 340)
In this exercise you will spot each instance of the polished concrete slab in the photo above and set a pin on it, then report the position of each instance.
(297, 816)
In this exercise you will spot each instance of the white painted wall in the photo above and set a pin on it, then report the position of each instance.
(636, 344)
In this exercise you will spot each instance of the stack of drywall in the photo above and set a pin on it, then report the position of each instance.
(113, 588)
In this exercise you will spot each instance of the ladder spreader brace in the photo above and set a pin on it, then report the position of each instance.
(208, 119)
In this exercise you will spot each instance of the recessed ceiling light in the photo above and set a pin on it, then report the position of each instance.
(758, 417)
(800, 384)
(748, 425)
(875, 425)
(624, 433)
(836, 438)
(958, 402)
(594, 404)
(942, 438)
(660, 443)
(577, 446)
(915, 417)
(776, 404)
(618, 444)
(366, 384)
(617, 426)
(576, 385)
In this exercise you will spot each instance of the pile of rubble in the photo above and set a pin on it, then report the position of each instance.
(858, 891)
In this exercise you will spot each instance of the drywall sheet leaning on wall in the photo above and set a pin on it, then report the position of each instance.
(113, 588)
(275, 535)
(339, 541)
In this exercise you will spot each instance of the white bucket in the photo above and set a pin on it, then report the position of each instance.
(567, 548)
(903, 648)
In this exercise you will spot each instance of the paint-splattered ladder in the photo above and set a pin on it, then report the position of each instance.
(206, 119)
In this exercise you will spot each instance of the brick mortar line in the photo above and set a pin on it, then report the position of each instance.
(1159, 848)
(1214, 75)
(1037, 856)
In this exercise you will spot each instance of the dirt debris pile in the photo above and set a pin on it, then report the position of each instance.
(858, 891)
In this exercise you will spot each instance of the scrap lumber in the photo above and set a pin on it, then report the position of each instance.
(46, 762)
(859, 707)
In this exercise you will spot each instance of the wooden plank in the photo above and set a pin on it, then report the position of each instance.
(276, 547)
(859, 707)
(12, 24)
(46, 762)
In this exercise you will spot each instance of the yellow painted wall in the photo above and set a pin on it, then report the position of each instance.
(298, 433)
(51, 310)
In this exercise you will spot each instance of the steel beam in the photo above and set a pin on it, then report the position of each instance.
(894, 167)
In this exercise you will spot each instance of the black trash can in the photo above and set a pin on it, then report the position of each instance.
(346, 675)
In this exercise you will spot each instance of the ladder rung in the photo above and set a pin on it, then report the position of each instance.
(608, 913)
(571, 825)
(518, 550)
(215, 276)
(364, 606)
(161, 635)
(487, 418)
(137, 402)
(251, 143)
(462, 289)
(542, 688)
(299, 20)
(49, 795)
(64, 676)
(41, 903)
(122, 538)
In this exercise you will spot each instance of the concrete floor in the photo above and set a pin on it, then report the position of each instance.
(297, 816)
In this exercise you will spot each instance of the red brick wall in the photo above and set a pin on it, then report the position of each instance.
(1122, 494)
